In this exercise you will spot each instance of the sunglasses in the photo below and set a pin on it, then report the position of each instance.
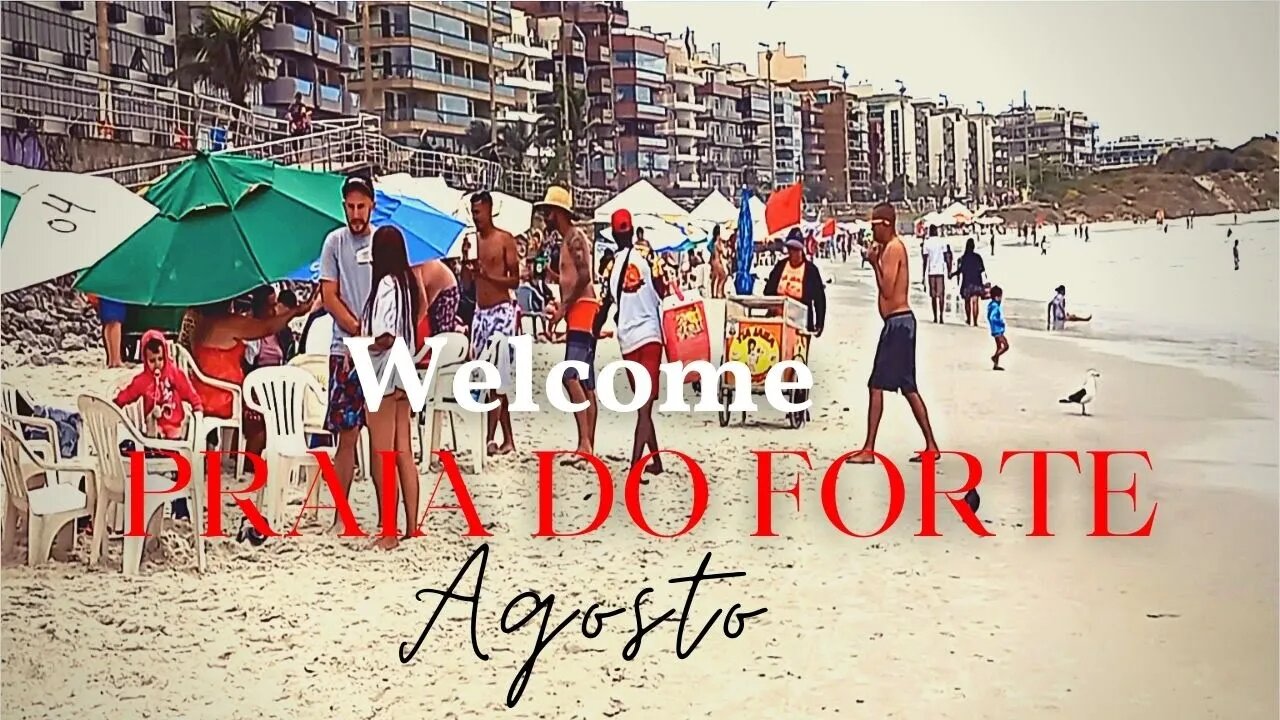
(880, 221)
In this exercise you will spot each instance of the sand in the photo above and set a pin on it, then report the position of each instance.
(1181, 624)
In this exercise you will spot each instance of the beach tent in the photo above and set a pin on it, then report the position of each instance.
(642, 198)
(715, 208)
(664, 235)
(958, 214)
(990, 220)
(759, 228)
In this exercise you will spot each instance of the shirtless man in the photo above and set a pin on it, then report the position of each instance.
(894, 368)
(578, 307)
(497, 274)
(718, 273)
(442, 295)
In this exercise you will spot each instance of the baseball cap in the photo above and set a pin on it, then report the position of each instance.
(357, 183)
(621, 221)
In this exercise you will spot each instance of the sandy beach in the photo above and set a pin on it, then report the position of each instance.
(1180, 624)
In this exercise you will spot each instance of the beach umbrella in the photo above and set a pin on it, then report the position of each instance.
(743, 280)
(55, 223)
(239, 223)
(428, 233)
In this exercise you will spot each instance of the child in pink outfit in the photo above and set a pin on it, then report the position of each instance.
(162, 387)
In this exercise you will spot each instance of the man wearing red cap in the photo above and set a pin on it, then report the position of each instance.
(635, 285)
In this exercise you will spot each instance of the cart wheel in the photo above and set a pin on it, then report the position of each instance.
(796, 419)
(723, 395)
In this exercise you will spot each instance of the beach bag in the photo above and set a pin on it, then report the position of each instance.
(684, 329)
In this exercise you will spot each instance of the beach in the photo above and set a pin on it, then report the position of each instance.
(1179, 624)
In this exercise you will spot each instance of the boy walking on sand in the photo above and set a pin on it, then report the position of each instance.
(995, 321)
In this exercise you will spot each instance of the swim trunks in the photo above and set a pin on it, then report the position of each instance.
(110, 311)
(894, 368)
(346, 397)
(443, 311)
(581, 346)
(500, 318)
(582, 316)
(649, 357)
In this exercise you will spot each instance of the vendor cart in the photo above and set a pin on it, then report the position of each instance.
(762, 331)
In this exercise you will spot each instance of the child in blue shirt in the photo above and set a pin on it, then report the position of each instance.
(995, 321)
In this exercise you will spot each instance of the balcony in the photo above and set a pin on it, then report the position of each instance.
(282, 90)
(330, 99)
(687, 156)
(652, 143)
(525, 46)
(285, 37)
(329, 49)
(527, 117)
(525, 83)
(640, 111)
(474, 51)
(683, 131)
(346, 14)
(684, 76)
(441, 82)
(325, 7)
(688, 106)
(347, 58)
(350, 104)
(414, 119)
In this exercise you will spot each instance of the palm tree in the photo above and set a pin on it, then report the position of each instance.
(574, 128)
(517, 141)
(477, 141)
(225, 52)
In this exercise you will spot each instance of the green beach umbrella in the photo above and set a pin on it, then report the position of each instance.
(238, 223)
(55, 223)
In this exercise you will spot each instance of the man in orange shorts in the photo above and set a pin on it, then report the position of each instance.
(578, 306)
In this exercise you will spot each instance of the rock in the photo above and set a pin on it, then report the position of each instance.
(37, 360)
(71, 341)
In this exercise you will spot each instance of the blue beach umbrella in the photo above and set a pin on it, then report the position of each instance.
(743, 280)
(428, 233)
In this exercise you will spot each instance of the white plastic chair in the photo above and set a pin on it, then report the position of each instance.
(103, 425)
(46, 448)
(441, 403)
(279, 393)
(49, 508)
(319, 336)
(209, 424)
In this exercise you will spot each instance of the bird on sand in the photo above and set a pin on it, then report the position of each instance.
(1085, 394)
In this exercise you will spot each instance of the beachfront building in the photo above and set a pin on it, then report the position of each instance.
(757, 126)
(891, 144)
(1038, 141)
(833, 140)
(582, 37)
(312, 56)
(788, 137)
(140, 37)
(430, 69)
(685, 138)
(641, 112)
(960, 164)
(724, 163)
(1134, 150)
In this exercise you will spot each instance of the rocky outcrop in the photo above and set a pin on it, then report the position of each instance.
(1183, 182)
(41, 323)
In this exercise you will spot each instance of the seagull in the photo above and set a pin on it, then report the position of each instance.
(1086, 394)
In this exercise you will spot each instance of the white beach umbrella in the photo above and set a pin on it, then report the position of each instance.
(55, 223)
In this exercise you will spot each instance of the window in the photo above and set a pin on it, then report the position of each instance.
(453, 104)
(635, 93)
(641, 61)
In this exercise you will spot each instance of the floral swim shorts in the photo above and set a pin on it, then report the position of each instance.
(346, 398)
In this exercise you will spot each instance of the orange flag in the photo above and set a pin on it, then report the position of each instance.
(783, 208)
(829, 228)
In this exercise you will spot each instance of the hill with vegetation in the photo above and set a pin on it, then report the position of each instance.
(1182, 182)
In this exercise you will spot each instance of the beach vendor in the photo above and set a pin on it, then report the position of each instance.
(796, 277)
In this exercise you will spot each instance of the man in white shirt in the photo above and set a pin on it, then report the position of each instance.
(937, 266)
(635, 284)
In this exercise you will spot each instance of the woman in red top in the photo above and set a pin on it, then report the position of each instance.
(218, 349)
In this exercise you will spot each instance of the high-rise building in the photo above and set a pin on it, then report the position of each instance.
(685, 137)
(1030, 141)
(582, 41)
(641, 110)
(313, 58)
(788, 137)
(756, 129)
(431, 69)
(531, 72)
(724, 155)
(891, 144)
(833, 140)
(139, 43)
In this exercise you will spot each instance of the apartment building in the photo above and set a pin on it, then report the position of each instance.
(312, 57)
(432, 68)
(724, 152)
(1134, 150)
(582, 37)
(640, 89)
(788, 137)
(1035, 139)
(891, 143)
(140, 37)
(833, 143)
(756, 129)
(685, 137)
(531, 72)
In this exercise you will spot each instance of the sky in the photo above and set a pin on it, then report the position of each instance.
(1157, 69)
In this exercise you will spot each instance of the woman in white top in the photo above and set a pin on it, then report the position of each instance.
(392, 311)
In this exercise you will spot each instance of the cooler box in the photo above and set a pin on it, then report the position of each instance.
(684, 329)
